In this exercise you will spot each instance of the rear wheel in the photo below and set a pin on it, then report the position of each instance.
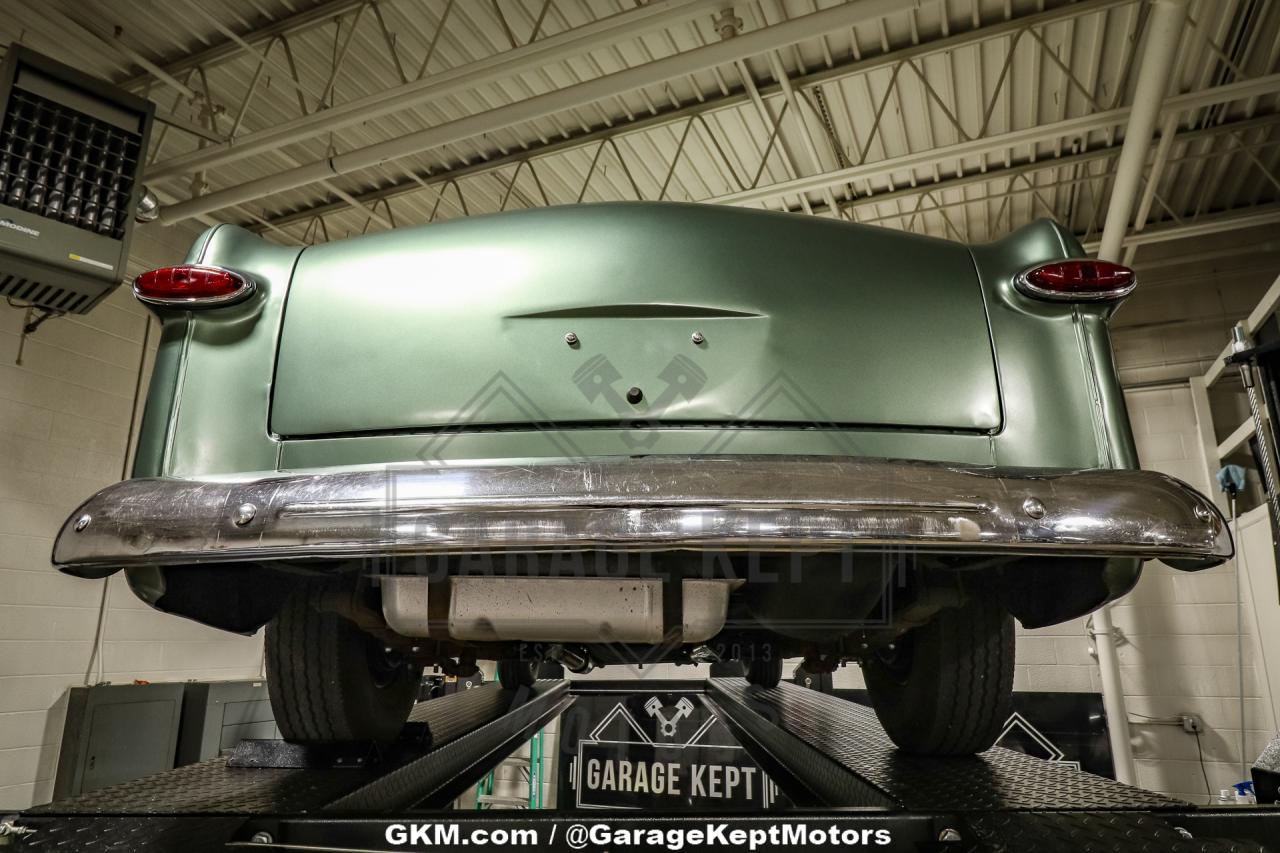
(946, 688)
(728, 669)
(331, 681)
(765, 673)
(514, 672)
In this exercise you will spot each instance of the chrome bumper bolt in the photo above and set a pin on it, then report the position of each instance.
(244, 514)
(1033, 508)
(261, 838)
(571, 339)
(697, 337)
(82, 522)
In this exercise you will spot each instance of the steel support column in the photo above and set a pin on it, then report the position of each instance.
(1164, 30)
(1168, 131)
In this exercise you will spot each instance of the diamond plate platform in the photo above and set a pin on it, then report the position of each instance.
(212, 788)
(1096, 832)
(998, 779)
(829, 755)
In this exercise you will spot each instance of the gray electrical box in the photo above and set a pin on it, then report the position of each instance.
(71, 153)
(217, 715)
(115, 733)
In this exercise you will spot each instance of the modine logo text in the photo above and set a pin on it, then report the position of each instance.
(13, 226)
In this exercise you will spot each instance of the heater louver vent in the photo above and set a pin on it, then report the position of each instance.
(44, 295)
(65, 165)
(72, 149)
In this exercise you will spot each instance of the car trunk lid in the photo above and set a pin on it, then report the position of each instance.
(676, 314)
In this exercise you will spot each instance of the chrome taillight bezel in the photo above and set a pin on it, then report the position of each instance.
(1027, 287)
(247, 287)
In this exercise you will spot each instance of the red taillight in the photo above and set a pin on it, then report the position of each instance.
(1078, 281)
(191, 286)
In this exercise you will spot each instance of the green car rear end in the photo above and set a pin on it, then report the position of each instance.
(615, 433)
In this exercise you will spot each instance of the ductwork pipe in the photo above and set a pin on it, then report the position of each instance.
(1164, 30)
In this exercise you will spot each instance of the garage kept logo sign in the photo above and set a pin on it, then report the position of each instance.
(656, 750)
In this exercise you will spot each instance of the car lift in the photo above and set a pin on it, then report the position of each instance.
(828, 755)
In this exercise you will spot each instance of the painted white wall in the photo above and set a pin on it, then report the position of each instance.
(1180, 649)
(65, 412)
(1189, 295)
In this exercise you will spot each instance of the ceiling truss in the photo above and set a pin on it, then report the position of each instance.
(892, 133)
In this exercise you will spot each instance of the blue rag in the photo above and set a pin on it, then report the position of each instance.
(1231, 479)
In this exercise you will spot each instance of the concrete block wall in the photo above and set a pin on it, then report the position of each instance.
(1180, 649)
(1179, 653)
(65, 414)
(1189, 295)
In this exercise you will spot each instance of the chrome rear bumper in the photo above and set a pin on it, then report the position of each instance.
(773, 503)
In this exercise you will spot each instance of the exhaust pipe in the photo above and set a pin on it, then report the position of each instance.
(576, 660)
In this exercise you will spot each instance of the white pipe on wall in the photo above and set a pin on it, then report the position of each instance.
(1104, 643)
(1164, 29)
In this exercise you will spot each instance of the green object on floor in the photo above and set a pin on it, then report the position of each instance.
(485, 798)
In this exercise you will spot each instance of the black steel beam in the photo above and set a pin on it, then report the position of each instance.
(806, 776)
(441, 775)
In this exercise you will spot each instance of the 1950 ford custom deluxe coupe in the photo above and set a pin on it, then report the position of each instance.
(624, 433)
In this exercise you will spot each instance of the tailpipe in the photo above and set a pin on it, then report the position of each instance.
(575, 659)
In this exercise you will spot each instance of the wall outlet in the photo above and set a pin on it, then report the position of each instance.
(1192, 723)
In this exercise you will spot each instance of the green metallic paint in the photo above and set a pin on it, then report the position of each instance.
(153, 435)
(1044, 377)
(384, 339)
(1059, 402)
(166, 379)
(462, 324)
(1113, 414)
(1080, 386)
(218, 418)
(533, 445)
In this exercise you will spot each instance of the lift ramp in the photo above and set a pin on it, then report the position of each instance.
(829, 756)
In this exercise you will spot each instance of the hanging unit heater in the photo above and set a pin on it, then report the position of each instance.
(71, 153)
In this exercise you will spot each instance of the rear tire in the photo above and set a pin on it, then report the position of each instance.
(947, 687)
(330, 681)
(765, 673)
(514, 673)
(728, 669)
